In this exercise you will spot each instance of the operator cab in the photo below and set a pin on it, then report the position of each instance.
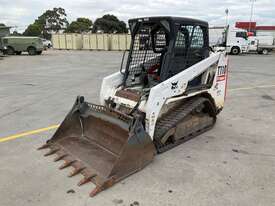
(162, 47)
(150, 42)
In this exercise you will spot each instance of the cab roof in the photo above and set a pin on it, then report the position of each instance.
(172, 19)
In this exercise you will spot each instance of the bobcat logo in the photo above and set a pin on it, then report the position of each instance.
(174, 85)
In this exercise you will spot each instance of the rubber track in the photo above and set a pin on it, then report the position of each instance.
(172, 119)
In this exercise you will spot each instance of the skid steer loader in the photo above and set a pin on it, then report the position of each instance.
(170, 90)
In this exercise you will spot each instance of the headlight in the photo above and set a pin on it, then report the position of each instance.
(5, 47)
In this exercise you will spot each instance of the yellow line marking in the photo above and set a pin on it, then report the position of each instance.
(249, 88)
(16, 136)
(24, 134)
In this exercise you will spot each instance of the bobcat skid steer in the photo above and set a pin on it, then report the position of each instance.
(169, 91)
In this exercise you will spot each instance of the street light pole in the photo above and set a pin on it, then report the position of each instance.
(251, 13)
(226, 13)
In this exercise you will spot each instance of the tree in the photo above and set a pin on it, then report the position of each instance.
(33, 30)
(1, 24)
(109, 24)
(79, 26)
(50, 21)
(53, 20)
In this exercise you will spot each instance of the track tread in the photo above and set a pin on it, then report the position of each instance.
(172, 118)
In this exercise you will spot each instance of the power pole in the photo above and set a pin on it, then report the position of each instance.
(226, 13)
(251, 13)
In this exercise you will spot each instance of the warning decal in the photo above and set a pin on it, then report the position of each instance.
(221, 73)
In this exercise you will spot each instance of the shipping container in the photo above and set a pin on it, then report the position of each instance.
(77, 42)
(129, 39)
(86, 41)
(69, 40)
(102, 42)
(122, 39)
(96, 42)
(119, 42)
(93, 41)
(55, 41)
(62, 41)
(114, 42)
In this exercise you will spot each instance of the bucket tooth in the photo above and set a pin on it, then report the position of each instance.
(60, 157)
(52, 151)
(67, 164)
(101, 144)
(86, 179)
(105, 185)
(96, 190)
(76, 171)
(43, 147)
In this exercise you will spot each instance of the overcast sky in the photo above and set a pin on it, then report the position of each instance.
(23, 12)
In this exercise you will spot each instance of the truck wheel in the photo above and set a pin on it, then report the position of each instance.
(265, 51)
(235, 50)
(32, 51)
(18, 52)
(10, 51)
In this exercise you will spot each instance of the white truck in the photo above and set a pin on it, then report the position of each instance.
(216, 35)
(234, 41)
(261, 44)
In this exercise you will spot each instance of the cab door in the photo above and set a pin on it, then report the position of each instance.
(253, 44)
(190, 47)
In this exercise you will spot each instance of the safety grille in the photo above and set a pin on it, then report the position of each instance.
(145, 53)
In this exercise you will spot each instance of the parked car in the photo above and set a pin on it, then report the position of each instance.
(47, 43)
(17, 44)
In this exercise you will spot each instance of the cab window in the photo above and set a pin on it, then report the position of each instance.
(197, 40)
(241, 35)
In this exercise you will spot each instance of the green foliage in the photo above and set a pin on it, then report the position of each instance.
(33, 30)
(1, 24)
(79, 26)
(51, 20)
(109, 24)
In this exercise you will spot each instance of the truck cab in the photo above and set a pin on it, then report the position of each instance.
(4, 31)
(236, 40)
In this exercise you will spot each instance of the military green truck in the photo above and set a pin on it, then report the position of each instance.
(4, 31)
(18, 44)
